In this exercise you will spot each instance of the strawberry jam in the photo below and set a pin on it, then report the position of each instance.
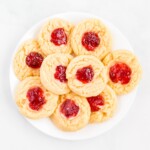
(36, 98)
(96, 102)
(60, 73)
(69, 109)
(120, 73)
(90, 41)
(85, 74)
(34, 60)
(59, 37)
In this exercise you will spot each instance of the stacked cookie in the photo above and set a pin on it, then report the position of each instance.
(71, 75)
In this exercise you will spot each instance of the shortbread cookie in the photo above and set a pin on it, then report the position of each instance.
(33, 100)
(72, 112)
(103, 105)
(91, 37)
(86, 76)
(55, 37)
(53, 73)
(124, 71)
(28, 60)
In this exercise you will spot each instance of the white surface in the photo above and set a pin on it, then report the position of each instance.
(124, 102)
(131, 17)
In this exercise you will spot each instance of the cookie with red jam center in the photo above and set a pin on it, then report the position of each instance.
(28, 60)
(55, 37)
(53, 73)
(103, 106)
(33, 100)
(91, 37)
(123, 70)
(86, 76)
(72, 112)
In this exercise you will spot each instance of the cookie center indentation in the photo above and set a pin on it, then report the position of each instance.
(120, 73)
(59, 37)
(60, 73)
(85, 74)
(69, 109)
(34, 60)
(96, 102)
(36, 98)
(90, 41)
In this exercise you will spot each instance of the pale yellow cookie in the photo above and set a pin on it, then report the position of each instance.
(72, 112)
(123, 70)
(33, 100)
(91, 37)
(53, 73)
(103, 105)
(86, 76)
(28, 60)
(55, 37)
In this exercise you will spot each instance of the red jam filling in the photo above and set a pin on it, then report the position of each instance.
(85, 74)
(96, 102)
(36, 98)
(90, 40)
(60, 73)
(69, 109)
(34, 60)
(59, 37)
(120, 73)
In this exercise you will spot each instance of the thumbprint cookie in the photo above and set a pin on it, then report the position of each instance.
(33, 100)
(28, 60)
(86, 75)
(55, 37)
(53, 73)
(72, 112)
(91, 37)
(103, 105)
(124, 71)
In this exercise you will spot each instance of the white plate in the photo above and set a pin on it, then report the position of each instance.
(124, 102)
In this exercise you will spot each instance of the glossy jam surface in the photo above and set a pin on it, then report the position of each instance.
(34, 60)
(120, 73)
(36, 98)
(90, 40)
(60, 73)
(85, 74)
(69, 109)
(59, 37)
(96, 102)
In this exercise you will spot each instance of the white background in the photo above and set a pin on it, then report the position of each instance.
(131, 17)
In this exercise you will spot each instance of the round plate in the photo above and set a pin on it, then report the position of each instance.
(91, 130)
